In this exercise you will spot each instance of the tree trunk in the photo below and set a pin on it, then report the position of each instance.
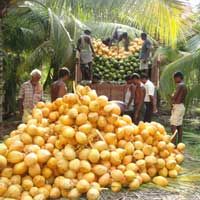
(1, 73)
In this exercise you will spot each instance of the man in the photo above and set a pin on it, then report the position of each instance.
(149, 100)
(117, 33)
(129, 95)
(87, 53)
(124, 37)
(121, 35)
(178, 108)
(58, 88)
(138, 98)
(145, 54)
(31, 92)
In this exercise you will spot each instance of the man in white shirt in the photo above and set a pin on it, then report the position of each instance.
(149, 100)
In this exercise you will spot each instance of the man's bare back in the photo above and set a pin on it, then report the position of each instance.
(58, 89)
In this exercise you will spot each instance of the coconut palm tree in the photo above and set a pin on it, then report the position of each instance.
(189, 65)
(46, 30)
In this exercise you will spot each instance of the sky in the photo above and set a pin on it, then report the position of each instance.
(194, 2)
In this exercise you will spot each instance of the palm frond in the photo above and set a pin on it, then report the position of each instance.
(193, 43)
(24, 28)
(163, 20)
(189, 65)
(60, 39)
(166, 21)
(39, 55)
(166, 55)
(106, 29)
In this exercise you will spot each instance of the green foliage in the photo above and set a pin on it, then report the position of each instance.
(106, 29)
(11, 82)
(189, 65)
(161, 19)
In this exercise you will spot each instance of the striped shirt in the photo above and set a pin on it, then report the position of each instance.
(30, 94)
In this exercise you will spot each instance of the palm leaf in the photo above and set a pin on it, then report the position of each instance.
(193, 43)
(60, 39)
(106, 29)
(189, 65)
(166, 21)
(39, 55)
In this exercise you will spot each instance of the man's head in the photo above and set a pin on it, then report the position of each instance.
(64, 73)
(143, 36)
(87, 32)
(178, 77)
(128, 79)
(35, 76)
(144, 78)
(136, 78)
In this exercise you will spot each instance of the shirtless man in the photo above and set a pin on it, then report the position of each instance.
(58, 88)
(178, 108)
(138, 97)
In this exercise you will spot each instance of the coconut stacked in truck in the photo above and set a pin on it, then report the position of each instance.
(114, 63)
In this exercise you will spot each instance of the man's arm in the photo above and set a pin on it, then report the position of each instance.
(151, 93)
(21, 100)
(91, 46)
(124, 95)
(21, 109)
(132, 96)
(79, 45)
(42, 94)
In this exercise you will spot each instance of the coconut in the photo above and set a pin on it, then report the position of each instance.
(161, 181)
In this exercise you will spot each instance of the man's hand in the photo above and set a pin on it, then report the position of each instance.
(136, 115)
(155, 110)
(77, 61)
(21, 112)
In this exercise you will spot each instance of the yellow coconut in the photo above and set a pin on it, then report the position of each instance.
(134, 185)
(104, 180)
(94, 156)
(173, 173)
(82, 186)
(116, 186)
(179, 158)
(163, 172)
(99, 170)
(181, 147)
(93, 194)
(161, 181)
(3, 162)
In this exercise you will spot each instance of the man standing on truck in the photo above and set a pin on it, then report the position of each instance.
(87, 53)
(119, 35)
(178, 108)
(145, 54)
